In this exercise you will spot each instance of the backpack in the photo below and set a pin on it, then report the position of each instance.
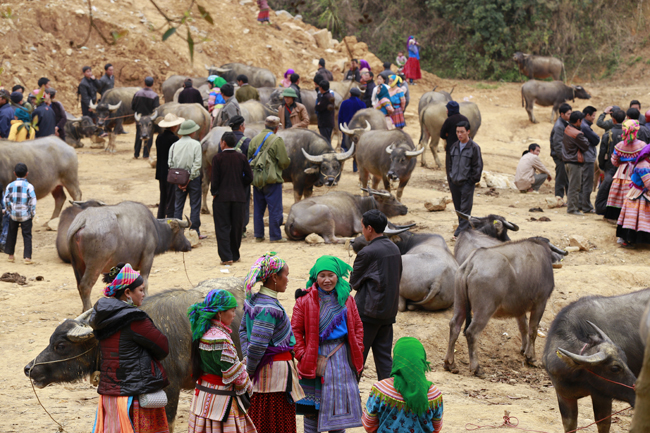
(261, 165)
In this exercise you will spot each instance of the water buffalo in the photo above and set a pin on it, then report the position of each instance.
(432, 118)
(196, 112)
(73, 350)
(308, 100)
(101, 237)
(337, 213)
(257, 77)
(66, 218)
(540, 67)
(486, 232)
(591, 337)
(641, 419)
(203, 89)
(506, 280)
(175, 82)
(77, 128)
(254, 111)
(368, 119)
(52, 166)
(266, 92)
(432, 97)
(343, 87)
(114, 110)
(386, 155)
(428, 269)
(546, 94)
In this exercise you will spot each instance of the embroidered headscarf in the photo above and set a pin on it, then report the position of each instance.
(340, 268)
(409, 367)
(201, 313)
(125, 278)
(395, 80)
(263, 268)
(630, 130)
(363, 64)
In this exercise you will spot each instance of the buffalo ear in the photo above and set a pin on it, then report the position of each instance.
(498, 225)
(312, 170)
(173, 223)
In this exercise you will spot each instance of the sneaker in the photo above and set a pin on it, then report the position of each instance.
(576, 212)
(259, 239)
(281, 240)
(29, 262)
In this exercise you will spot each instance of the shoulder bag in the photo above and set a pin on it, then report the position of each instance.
(153, 400)
(178, 176)
(322, 361)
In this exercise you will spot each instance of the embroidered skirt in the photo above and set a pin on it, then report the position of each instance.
(616, 198)
(123, 414)
(272, 412)
(634, 221)
(412, 69)
(207, 413)
(398, 116)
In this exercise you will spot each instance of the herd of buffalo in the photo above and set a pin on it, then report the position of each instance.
(593, 346)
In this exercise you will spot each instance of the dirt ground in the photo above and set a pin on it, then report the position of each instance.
(30, 313)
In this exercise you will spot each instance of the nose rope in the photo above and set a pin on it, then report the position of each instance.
(613, 381)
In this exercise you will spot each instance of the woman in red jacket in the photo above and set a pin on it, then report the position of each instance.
(326, 322)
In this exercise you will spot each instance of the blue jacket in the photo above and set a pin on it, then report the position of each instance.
(46, 120)
(348, 108)
(6, 116)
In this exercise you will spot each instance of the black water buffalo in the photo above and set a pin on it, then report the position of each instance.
(308, 100)
(539, 67)
(175, 82)
(485, 232)
(73, 351)
(595, 335)
(66, 218)
(196, 112)
(506, 280)
(257, 77)
(547, 94)
(101, 237)
(428, 269)
(386, 155)
(337, 213)
(52, 165)
(77, 128)
(641, 418)
(114, 110)
(434, 115)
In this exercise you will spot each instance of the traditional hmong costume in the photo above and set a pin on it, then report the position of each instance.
(263, 15)
(634, 220)
(397, 116)
(267, 340)
(412, 67)
(623, 157)
(407, 401)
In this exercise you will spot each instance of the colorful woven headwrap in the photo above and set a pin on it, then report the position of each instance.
(125, 278)
(340, 268)
(630, 130)
(409, 365)
(263, 268)
(201, 313)
(394, 80)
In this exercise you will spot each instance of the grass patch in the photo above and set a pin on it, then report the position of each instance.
(485, 86)
(634, 60)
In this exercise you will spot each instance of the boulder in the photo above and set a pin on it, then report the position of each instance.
(283, 13)
(554, 202)
(314, 239)
(193, 237)
(579, 241)
(323, 38)
(437, 204)
(284, 218)
(52, 224)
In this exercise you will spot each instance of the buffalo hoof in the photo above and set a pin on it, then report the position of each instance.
(451, 367)
(479, 373)
(532, 363)
(205, 212)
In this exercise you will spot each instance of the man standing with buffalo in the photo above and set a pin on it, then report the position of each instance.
(246, 92)
(164, 142)
(557, 137)
(574, 146)
(590, 159)
(190, 95)
(448, 129)
(292, 114)
(88, 91)
(238, 126)
(144, 103)
(325, 110)
(107, 81)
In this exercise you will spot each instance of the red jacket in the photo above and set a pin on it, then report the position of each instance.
(304, 322)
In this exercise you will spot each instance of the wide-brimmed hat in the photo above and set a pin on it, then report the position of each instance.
(289, 93)
(188, 127)
(170, 120)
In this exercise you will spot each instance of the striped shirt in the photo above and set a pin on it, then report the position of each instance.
(20, 200)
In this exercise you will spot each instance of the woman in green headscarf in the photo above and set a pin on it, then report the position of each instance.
(406, 401)
(326, 322)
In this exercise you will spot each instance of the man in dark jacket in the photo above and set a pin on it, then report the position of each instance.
(295, 85)
(60, 119)
(190, 95)
(448, 129)
(367, 78)
(347, 110)
(231, 179)
(610, 139)
(464, 169)
(323, 72)
(145, 101)
(557, 137)
(238, 127)
(325, 110)
(637, 105)
(590, 159)
(574, 146)
(376, 275)
(46, 123)
(164, 142)
(353, 73)
(107, 81)
(88, 91)
(6, 114)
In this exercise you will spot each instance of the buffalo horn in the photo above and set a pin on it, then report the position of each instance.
(557, 250)
(92, 106)
(184, 224)
(452, 90)
(511, 226)
(589, 360)
(136, 116)
(407, 226)
(154, 114)
(379, 193)
(81, 331)
(389, 149)
(315, 159)
(392, 232)
(434, 88)
(220, 70)
(344, 128)
(368, 127)
(114, 107)
(411, 153)
(343, 156)
(464, 216)
(600, 332)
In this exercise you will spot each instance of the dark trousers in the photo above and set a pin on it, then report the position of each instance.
(247, 210)
(138, 144)
(345, 145)
(326, 132)
(167, 199)
(271, 196)
(574, 174)
(194, 191)
(561, 180)
(12, 236)
(603, 193)
(463, 198)
(587, 186)
(85, 111)
(229, 227)
(380, 339)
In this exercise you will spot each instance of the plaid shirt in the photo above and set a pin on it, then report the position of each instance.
(20, 200)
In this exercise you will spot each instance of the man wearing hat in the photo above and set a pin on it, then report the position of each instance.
(164, 142)
(325, 110)
(6, 114)
(238, 127)
(87, 90)
(44, 117)
(292, 114)
(145, 101)
(348, 109)
(186, 154)
(448, 130)
(190, 95)
(324, 72)
(268, 157)
(230, 109)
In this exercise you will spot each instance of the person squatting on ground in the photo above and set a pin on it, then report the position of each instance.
(267, 343)
(20, 205)
(526, 178)
(327, 324)
(223, 389)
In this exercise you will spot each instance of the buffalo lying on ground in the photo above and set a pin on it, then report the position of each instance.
(73, 350)
(114, 110)
(52, 165)
(196, 112)
(77, 128)
(101, 237)
(257, 77)
(506, 280)
(432, 118)
(591, 342)
(547, 94)
(66, 218)
(539, 67)
(337, 213)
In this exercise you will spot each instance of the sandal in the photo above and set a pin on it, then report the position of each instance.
(628, 245)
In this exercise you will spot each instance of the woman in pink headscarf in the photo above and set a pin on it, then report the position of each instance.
(287, 78)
